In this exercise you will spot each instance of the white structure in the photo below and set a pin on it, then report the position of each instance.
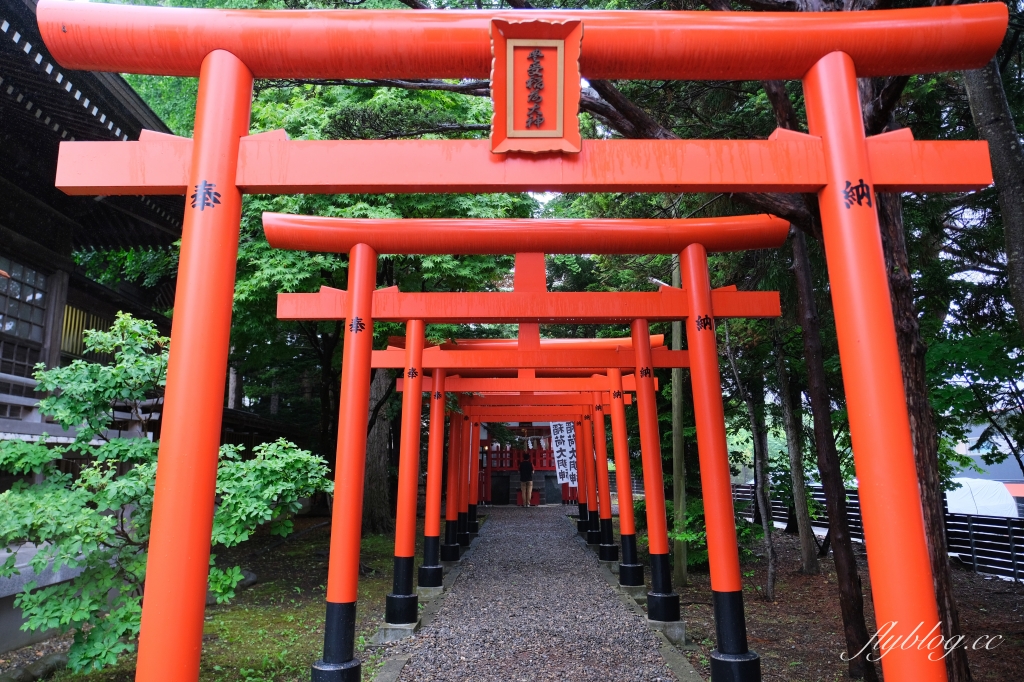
(978, 496)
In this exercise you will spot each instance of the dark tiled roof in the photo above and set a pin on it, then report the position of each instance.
(42, 104)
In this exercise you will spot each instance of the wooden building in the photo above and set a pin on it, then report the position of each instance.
(47, 303)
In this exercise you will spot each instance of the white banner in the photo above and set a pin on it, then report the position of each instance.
(563, 443)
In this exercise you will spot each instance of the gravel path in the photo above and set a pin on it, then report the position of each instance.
(530, 604)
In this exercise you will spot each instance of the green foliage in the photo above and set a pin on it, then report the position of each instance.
(172, 99)
(977, 382)
(146, 267)
(264, 489)
(500, 432)
(695, 536)
(98, 521)
(87, 394)
(390, 113)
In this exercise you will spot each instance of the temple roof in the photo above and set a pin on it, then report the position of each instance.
(42, 104)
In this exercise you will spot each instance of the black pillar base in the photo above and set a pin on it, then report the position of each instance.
(735, 667)
(631, 571)
(350, 671)
(400, 609)
(403, 576)
(661, 574)
(663, 607)
(472, 525)
(631, 575)
(730, 623)
(450, 552)
(463, 539)
(582, 526)
(339, 663)
(593, 537)
(431, 576)
(608, 553)
(431, 573)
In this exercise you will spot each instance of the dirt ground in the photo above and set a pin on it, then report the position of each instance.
(799, 635)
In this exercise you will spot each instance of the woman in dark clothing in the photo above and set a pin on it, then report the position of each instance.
(526, 479)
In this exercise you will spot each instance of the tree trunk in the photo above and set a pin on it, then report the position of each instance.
(754, 400)
(851, 597)
(922, 424)
(759, 434)
(791, 422)
(330, 386)
(678, 448)
(376, 506)
(235, 389)
(992, 118)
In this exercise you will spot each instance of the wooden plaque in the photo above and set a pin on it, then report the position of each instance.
(535, 86)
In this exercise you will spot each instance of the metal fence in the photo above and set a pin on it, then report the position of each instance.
(987, 544)
(636, 484)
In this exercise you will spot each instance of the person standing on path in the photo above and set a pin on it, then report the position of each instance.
(526, 479)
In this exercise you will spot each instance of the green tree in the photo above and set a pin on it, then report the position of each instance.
(99, 521)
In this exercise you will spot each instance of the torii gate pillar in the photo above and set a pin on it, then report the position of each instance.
(731, 660)
(450, 548)
(474, 479)
(582, 520)
(662, 602)
(607, 551)
(903, 590)
(593, 513)
(401, 605)
(464, 468)
(631, 571)
(431, 573)
(339, 663)
(179, 551)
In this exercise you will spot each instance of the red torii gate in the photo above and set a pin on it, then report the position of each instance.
(528, 410)
(544, 406)
(485, 359)
(528, 304)
(545, 391)
(584, 354)
(526, 359)
(541, 390)
(228, 48)
(496, 354)
(496, 361)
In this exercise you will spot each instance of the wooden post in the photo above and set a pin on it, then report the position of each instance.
(970, 536)
(1013, 548)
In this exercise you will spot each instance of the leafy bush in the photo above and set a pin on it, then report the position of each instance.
(99, 521)
(640, 513)
(695, 536)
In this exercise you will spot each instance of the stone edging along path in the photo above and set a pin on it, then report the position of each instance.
(528, 601)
